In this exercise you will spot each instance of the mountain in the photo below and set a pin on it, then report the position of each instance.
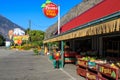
(74, 12)
(6, 25)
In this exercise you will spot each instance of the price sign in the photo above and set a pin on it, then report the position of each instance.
(110, 72)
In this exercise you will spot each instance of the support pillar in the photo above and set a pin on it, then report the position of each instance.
(73, 45)
(100, 46)
(62, 53)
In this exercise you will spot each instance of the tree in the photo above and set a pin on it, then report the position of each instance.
(1, 40)
(36, 37)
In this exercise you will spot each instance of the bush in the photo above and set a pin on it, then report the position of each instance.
(36, 51)
(26, 47)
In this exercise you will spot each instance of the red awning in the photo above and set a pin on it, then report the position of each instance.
(103, 9)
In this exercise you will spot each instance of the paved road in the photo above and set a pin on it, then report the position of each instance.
(16, 65)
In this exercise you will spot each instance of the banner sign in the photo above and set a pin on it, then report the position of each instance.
(24, 37)
(18, 39)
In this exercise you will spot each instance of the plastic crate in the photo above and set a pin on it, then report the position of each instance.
(50, 57)
(60, 63)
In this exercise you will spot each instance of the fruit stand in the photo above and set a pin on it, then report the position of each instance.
(81, 67)
(96, 69)
(109, 71)
(69, 57)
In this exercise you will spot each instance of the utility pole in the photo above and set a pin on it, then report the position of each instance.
(29, 30)
(30, 24)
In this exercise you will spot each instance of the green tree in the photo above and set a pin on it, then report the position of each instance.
(1, 40)
(36, 36)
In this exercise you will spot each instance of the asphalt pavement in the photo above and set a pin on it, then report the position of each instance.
(24, 65)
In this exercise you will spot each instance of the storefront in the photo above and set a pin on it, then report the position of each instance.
(97, 38)
(111, 46)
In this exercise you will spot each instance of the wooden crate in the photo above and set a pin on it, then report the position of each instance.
(91, 76)
(81, 71)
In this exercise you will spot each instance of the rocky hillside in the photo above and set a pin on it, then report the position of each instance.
(6, 25)
(74, 12)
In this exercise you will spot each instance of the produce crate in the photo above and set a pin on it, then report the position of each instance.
(60, 63)
(81, 72)
(78, 56)
(70, 59)
(92, 66)
(50, 57)
(101, 78)
(70, 54)
(82, 63)
(91, 76)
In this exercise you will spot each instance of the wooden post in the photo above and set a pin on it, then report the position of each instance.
(49, 47)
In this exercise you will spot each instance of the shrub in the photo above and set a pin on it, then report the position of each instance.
(26, 47)
(36, 51)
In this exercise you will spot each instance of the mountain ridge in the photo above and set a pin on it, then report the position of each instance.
(6, 25)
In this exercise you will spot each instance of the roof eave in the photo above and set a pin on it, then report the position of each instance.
(114, 15)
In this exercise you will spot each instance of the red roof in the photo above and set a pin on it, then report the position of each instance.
(106, 7)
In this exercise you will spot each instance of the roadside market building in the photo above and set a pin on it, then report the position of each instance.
(97, 29)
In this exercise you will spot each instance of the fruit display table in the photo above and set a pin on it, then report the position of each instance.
(81, 71)
(70, 57)
(82, 63)
(97, 70)
(81, 67)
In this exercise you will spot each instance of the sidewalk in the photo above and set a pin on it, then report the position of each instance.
(70, 71)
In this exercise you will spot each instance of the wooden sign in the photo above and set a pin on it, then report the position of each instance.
(108, 71)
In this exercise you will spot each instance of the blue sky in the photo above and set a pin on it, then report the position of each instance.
(21, 11)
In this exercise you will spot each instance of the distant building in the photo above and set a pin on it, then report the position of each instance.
(18, 31)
